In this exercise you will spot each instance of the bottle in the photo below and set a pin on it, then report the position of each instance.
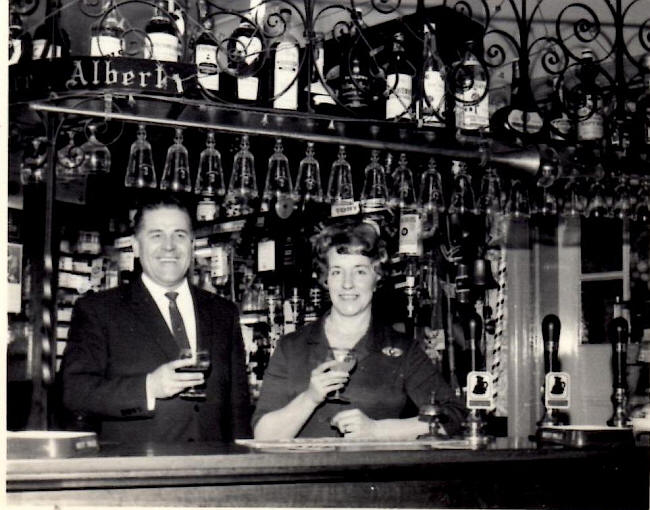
(176, 174)
(643, 112)
(431, 200)
(242, 191)
(320, 92)
(432, 103)
(399, 82)
(356, 89)
(107, 33)
(374, 193)
(205, 54)
(20, 42)
(163, 40)
(404, 201)
(591, 123)
(469, 81)
(285, 83)
(247, 56)
(517, 122)
(560, 128)
(50, 39)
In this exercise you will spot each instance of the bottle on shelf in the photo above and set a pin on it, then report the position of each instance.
(20, 41)
(431, 105)
(470, 87)
(247, 58)
(209, 184)
(50, 39)
(107, 33)
(643, 112)
(140, 171)
(358, 91)
(206, 49)
(374, 194)
(242, 193)
(560, 127)
(519, 121)
(176, 174)
(163, 39)
(320, 92)
(286, 82)
(399, 82)
(278, 188)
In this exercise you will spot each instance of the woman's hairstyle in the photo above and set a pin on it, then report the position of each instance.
(349, 237)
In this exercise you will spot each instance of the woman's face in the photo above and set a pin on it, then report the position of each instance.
(351, 281)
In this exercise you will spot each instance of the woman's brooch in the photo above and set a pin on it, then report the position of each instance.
(393, 352)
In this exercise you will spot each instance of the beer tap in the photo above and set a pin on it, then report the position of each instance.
(555, 384)
(618, 331)
(479, 387)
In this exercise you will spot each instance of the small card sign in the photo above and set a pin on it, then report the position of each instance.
(480, 390)
(556, 390)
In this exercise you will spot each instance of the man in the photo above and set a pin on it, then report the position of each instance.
(120, 362)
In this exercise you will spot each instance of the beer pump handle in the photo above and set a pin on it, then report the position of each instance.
(618, 331)
(474, 332)
(551, 334)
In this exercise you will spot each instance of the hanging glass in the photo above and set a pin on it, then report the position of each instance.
(242, 188)
(209, 178)
(402, 193)
(622, 207)
(431, 200)
(140, 171)
(489, 201)
(68, 159)
(340, 188)
(308, 184)
(278, 188)
(176, 174)
(642, 207)
(518, 205)
(545, 201)
(574, 201)
(597, 200)
(374, 193)
(97, 157)
(462, 197)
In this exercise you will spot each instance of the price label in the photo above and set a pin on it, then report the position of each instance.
(266, 255)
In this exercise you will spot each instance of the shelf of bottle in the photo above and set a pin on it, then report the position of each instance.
(238, 119)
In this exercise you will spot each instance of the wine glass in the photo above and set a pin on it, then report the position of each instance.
(347, 360)
(201, 364)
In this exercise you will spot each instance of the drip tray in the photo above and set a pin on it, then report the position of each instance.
(42, 444)
(583, 436)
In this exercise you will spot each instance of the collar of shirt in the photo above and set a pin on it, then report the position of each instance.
(183, 301)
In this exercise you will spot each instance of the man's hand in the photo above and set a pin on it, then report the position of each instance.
(166, 382)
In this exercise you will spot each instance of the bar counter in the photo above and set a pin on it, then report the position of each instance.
(208, 474)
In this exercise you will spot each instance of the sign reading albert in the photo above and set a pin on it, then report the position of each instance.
(100, 73)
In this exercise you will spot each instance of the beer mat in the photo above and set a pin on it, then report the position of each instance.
(309, 444)
(43, 444)
(581, 436)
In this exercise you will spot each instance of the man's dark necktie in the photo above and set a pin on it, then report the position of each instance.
(178, 328)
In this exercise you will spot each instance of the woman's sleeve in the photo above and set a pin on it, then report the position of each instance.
(422, 378)
(275, 391)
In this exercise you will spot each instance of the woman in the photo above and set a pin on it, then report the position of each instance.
(391, 369)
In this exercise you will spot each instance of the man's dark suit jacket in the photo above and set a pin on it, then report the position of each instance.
(118, 336)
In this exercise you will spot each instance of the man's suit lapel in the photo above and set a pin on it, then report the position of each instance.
(148, 316)
(203, 318)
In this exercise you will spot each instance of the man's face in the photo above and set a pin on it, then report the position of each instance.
(164, 245)
(351, 280)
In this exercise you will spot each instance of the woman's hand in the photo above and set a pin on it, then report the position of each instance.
(354, 423)
(324, 380)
